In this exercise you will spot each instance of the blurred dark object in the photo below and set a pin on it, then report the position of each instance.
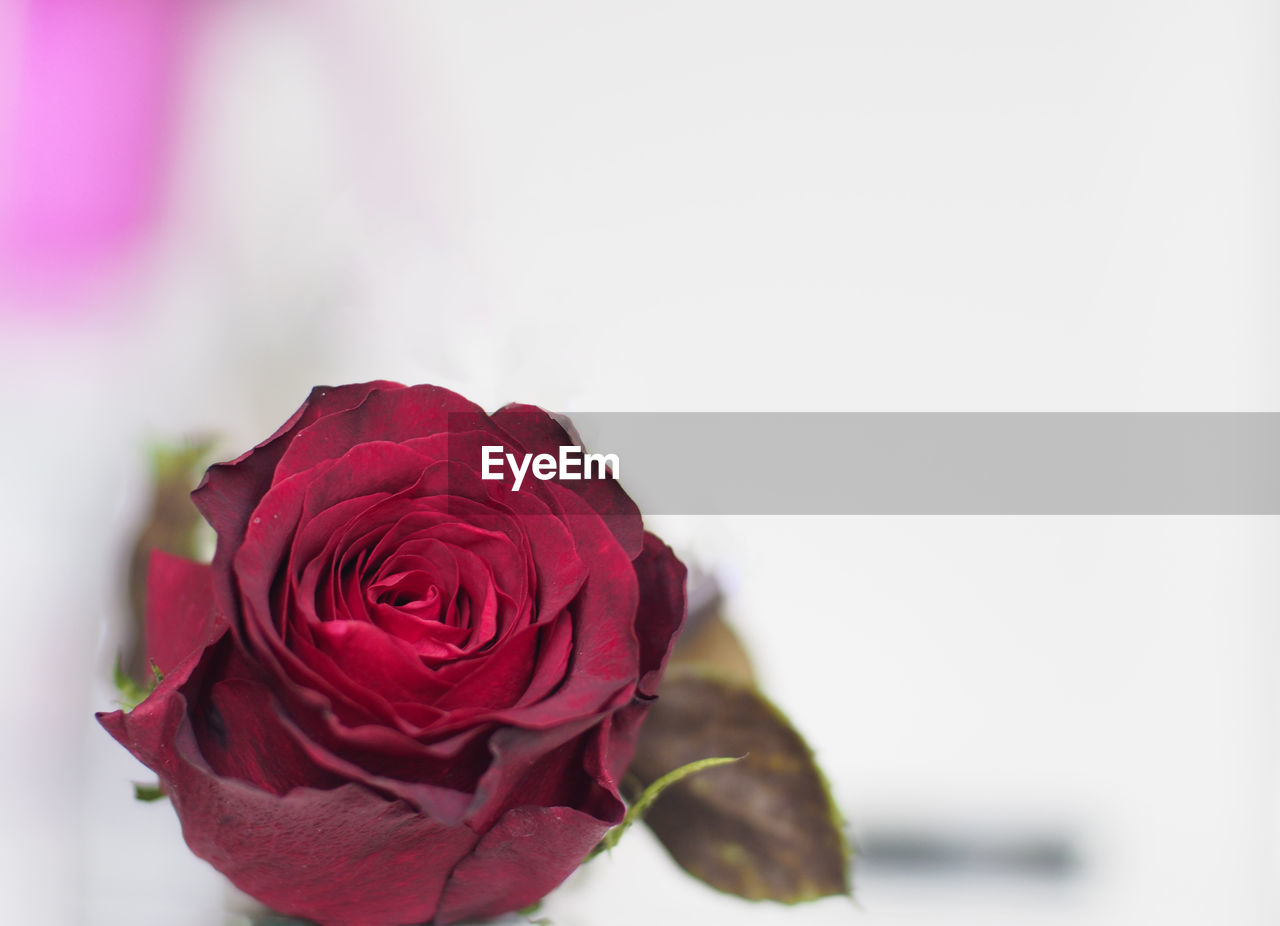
(172, 525)
(1031, 853)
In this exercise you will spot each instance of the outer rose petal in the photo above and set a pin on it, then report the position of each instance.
(529, 851)
(624, 729)
(662, 609)
(346, 856)
(397, 414)
(230, 491)
(540, 433)
(180, 616)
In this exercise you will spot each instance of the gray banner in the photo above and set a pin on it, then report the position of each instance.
(935, 463)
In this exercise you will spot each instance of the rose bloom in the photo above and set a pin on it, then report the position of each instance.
(402, 693)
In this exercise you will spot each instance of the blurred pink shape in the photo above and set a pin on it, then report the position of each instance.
(95, 85)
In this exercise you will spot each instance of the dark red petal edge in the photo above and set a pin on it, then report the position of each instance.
(661, 613)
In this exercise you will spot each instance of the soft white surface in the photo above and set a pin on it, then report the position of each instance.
(723, 206)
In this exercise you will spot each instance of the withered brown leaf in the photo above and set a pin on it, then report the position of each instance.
(764, 828)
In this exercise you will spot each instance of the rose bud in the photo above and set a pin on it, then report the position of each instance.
(402, 693)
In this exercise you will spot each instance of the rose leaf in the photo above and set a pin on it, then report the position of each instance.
(764, 828)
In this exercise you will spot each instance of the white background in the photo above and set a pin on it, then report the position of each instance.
(721, 206)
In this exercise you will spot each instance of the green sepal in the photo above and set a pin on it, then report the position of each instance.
(148, 793)
(131, 693)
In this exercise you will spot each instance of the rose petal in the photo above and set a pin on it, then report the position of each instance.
(364, 652)
(537, 766)
(244, 733)
(528, 853)
(241, 737)
(392, 415)
(345, 856)
(606, 653)
(180, 615)
(661, 612)
(540, 433)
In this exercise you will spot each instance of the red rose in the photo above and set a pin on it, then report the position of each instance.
(402, 692)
